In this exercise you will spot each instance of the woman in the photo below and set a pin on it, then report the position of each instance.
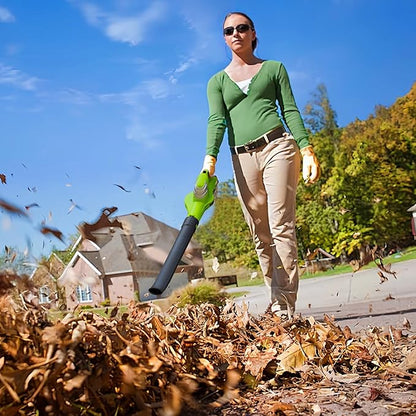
(266, 159)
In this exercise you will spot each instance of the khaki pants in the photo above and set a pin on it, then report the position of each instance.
(266, 181)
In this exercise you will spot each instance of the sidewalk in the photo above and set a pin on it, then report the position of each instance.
(354, 299)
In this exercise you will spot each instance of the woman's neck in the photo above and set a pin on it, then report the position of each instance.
(239, 60)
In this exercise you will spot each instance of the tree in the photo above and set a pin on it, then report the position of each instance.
(66, 255)
(369, 172)
(12, 258)
(318, 113)
(372, 182)
(317, 217)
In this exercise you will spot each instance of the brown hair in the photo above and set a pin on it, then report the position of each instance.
(254, 43)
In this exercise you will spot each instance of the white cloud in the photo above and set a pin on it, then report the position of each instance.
(183, 66)
(127, 29)
(6, 16)
(157, 88)
(204, 40)
(73, 96)
(154, 89)
(147, 102)
(151, 132)
(17, 78)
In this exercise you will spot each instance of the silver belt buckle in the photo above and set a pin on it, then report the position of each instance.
(250, 145)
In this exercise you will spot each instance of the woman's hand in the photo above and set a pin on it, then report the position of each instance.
(311, 170)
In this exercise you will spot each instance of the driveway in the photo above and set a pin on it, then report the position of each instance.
(355, 299)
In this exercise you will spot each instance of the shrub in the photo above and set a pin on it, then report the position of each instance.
(105, 303)
(203, 292)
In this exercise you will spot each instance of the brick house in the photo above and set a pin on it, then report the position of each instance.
(120, 263)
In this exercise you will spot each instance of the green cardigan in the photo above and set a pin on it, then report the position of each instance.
(248, 116)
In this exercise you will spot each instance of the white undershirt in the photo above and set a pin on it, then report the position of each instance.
(243, 85)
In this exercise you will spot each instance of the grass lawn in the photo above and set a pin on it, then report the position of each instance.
(408, 254)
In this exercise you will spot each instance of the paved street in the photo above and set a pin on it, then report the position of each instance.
(354, 299)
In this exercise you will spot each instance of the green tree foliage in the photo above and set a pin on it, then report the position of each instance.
(317, 220)
(318, 115)
(226, 234)
(367, 183)
(67, 254)
(13, 259)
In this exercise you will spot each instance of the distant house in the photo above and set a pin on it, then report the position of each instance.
(45, 278)
(120, 263)
(412, 209)
(319, 260)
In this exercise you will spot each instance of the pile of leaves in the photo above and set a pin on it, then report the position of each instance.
(198, 359)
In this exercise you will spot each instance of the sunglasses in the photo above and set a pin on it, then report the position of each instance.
(241, 28)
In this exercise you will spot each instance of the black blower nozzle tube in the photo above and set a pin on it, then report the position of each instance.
(168, 269)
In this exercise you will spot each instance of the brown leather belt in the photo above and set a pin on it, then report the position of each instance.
(259, 142)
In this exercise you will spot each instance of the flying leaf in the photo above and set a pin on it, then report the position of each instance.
(55, 232)
(73, 206)
(121, 187)
(104, 221)
(12, 209)
(2, 178)
(27, 207)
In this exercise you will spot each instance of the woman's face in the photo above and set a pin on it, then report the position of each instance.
(238, 40)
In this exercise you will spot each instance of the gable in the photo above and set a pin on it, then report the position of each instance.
(141, 245)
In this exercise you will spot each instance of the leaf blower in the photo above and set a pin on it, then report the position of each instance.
(196, 203)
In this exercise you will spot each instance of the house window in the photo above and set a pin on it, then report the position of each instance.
(83, 293)
(44, 293)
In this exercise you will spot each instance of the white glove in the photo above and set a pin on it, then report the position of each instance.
(311, 170)
(209, 164)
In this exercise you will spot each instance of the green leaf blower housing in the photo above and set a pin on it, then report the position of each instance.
(196, 203)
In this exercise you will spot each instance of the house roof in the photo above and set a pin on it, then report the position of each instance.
(94, 258)
(50, 268)
(141, 246)
(319, 251)
(412, 208)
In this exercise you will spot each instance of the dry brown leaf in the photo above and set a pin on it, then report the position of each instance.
(54, 231)
(256, 360)
(103, 221)
(340, 378)
(172, 404)
(409, 363)
(11, 208)
(406, 324)
(230, 389)
(280, 407)
(205, 364)
(75, 382)
(54, 335)
(294, 357)
(316, 410)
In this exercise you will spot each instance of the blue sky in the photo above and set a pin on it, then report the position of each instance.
(95, 94)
